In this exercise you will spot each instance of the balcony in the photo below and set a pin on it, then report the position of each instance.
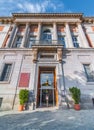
(44, 43)
(39, 44)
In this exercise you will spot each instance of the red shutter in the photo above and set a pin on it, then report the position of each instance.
(24, 80)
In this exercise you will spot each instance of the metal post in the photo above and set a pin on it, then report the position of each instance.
(53, 97)
(40, 97)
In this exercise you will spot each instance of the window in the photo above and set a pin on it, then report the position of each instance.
(75, 41)
(6, 72)
(89, 73)
(47, 36)
(62, 40)
(18, 41)
(32, 40)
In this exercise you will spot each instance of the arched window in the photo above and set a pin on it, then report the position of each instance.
(47, 36)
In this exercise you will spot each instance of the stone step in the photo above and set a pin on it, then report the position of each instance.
(63, 105)
(87, 106)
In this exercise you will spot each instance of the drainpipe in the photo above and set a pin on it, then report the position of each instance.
(63, 77)
(17, 83)
(34, 89)
(66, 100)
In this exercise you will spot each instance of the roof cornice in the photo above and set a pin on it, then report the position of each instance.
(47, 15)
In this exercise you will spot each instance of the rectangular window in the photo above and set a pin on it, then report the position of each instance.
(18, 41)
(32, 40)
(75, 41)
(6, 72)
(89, 73)
(62, 40)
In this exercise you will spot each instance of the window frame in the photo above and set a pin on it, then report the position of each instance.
(63, 41)
(11, 72)
(47, 35)
(90, 73)
(17, 42)
(75, 42)
(32, 41)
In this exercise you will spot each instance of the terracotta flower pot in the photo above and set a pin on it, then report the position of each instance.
(21, 107)
(77, 107)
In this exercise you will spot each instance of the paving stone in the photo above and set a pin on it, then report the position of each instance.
(43, 119)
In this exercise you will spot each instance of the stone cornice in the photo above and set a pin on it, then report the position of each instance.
(47, 16)
(88, 19)
(30, 49)
(6, 19)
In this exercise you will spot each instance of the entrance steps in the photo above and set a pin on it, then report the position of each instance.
(63, 104)
(66, 102)
(47, 108)
(86, 102)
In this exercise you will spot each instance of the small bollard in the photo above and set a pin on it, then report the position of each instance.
(34, 106)
(93, 101)
(47, 98)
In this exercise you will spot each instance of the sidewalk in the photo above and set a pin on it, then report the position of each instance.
(47, 120)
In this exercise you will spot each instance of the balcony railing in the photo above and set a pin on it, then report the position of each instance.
(33, 43)
(44, 43)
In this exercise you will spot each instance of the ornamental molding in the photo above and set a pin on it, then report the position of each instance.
(49, 16)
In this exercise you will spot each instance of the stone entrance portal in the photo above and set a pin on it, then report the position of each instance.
(47, 91)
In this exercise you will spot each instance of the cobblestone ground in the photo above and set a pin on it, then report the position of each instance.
(48, 120)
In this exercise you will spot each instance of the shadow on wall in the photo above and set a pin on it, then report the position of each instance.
(76, 77)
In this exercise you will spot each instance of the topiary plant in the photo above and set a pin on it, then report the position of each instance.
(75, 94)
(23, 96)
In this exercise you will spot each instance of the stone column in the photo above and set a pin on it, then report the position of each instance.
(59, 53)
(69, 37)
(25, 35)
(82, 35)
(35, 54)
(55, 36)
(39, 32)
(11, 36)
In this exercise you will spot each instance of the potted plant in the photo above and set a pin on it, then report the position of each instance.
(76, 97)
(23, 97)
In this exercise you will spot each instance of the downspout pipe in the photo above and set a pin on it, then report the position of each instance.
(62, 64)
(17, 83)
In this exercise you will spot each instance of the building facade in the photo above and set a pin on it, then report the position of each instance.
(46, 54)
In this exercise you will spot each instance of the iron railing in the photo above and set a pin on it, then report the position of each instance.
(32, 43)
